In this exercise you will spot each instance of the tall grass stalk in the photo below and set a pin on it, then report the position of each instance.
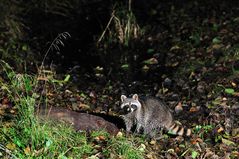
(122, 26)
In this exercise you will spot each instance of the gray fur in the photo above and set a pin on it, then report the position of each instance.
(150, 114)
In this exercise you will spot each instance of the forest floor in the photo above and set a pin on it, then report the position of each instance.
(198, 80)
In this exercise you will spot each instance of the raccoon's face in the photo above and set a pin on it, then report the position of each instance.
(129, 105)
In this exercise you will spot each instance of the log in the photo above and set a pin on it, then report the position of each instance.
(80, 121)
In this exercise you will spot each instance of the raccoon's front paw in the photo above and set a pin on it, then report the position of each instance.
(128, 128)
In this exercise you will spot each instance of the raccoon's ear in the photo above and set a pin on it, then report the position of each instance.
(123, 97)
(135, 97)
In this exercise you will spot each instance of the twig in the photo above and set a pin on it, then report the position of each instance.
(107, 26)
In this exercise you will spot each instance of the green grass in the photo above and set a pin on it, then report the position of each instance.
(32, 137)
(127, 148)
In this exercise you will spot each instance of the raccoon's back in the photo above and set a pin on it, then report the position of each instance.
(156, 109)
(159, 115)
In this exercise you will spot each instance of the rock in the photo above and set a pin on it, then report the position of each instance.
(174, 97)
(167, 82)
(80, 121)
(73, 99)
(178, 108)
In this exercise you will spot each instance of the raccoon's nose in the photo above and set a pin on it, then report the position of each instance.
(122, 111)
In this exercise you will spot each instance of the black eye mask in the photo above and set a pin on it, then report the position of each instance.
(126, 109)
(133, 106)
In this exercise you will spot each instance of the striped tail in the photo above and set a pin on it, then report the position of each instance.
(176, 129)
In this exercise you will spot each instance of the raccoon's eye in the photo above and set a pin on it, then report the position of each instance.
(126, 109)
(134, 106)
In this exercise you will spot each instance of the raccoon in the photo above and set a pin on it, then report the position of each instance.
(149, 114)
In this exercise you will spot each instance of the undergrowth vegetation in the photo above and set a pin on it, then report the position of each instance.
(122, 27)
(184, 53)
(30, 136)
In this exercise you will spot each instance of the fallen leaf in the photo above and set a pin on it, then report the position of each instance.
(220, 130)
(151, 61)
(194, 154)
(193, 109)
(119, 134)
(216, 40)
(235, 153)
(149, 156)
(11, 146)
(142, 147)
(175, 64)
(228, 142)
(84, 106)
(175, 47)
(27, 150)
(152, 142)
(199, 140)
(12, 111)
(233, 84)
(229, 91)
(193, 142)
(102, 138)
(179, 107)
(145, 68)
(236, 94)
(224, 99)
(217, 46)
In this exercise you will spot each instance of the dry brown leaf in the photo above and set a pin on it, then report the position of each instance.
(179, 107)
(220, 130)
(102, 138)
(197, 140)
(233, 84)
(27, 150)
(84, 106)
(193, 109)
